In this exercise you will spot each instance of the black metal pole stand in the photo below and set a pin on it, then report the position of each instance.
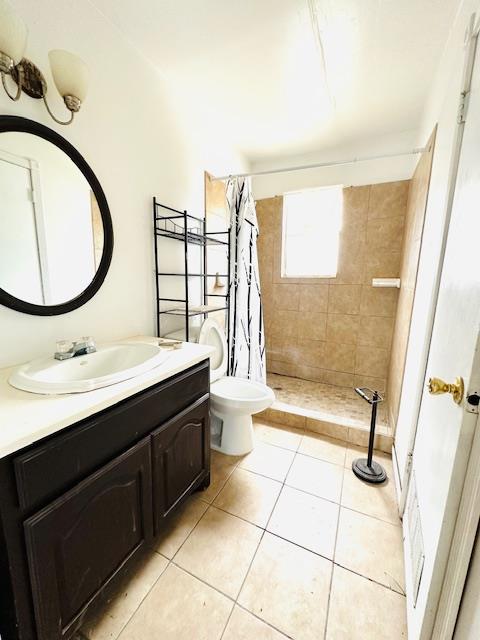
(367, 469)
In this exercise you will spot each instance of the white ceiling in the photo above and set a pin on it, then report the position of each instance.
(285, 77)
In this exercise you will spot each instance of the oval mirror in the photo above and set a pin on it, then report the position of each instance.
(56, 236)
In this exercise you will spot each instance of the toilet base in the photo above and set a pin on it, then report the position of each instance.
(237, 435)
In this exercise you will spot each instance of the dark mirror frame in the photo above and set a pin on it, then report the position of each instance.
(23, 125)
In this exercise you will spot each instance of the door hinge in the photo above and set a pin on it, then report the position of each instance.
(463, 107)
(473, 401)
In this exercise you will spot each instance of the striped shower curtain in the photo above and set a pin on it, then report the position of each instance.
(247, 337)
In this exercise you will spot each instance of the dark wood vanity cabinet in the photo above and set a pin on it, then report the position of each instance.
(66, 537)
(181, 458)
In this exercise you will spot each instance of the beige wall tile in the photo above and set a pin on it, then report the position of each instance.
(310, 353)
(388, 200)
(360, 438)
(378, 302)
(285, 324)
(342, 328)
(285, 296)
(355, 202)
(351, 259)
(371, 361)
(340, 357)
(382, 264)
(338, 431)
(338, 378)
(385, 234)
(415, 216)
(344, 299)
(293, 420)
(378, 384)
(309, 373)
(282, 368)
(312, 326)
(376, 331)
(313, 297)
(283, 348)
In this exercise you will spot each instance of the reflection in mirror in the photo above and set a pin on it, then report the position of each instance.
(51, 228)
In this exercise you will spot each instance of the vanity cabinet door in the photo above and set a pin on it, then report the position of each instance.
(181, 458)
(77, 544)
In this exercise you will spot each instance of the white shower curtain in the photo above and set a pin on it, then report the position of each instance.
(247, 338)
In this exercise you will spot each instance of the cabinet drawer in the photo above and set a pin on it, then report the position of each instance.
(48, 470)
(180, 458)
(79, 543)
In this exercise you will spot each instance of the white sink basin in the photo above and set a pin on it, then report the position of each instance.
(108, 365)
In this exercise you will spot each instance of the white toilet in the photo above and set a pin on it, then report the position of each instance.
(233, 401)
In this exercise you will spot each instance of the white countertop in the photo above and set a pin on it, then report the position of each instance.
(27, 417)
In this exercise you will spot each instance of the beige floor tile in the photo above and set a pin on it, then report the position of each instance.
(321, 478)
(221, 467)
(219, 550)
(324, 448)
(382, 458)
(179, 526)
(378, 501)
(243, 626)
(288, 587)
(360, 608)
(306, 520)
(179, 606)
(269, 461)
(372, 548)
(249, 495)
(285, 437)
(111, 619)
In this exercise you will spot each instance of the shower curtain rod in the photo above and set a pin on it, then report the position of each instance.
(318, 165)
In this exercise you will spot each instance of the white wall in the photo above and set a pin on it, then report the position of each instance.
(139, 144)
(371, 172)
(442, 107)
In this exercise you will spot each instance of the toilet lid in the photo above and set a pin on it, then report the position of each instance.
(212, 334)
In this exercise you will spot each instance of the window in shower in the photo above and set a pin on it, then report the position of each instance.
(312, 220)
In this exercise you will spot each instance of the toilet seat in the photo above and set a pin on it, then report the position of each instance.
(212, 334)
(241, 395)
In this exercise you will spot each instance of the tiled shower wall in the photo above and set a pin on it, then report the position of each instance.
(414, 219)
(336, 330)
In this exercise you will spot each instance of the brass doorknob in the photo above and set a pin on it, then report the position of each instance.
(457, 388)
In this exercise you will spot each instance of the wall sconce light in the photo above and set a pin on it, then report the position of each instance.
(70, 74)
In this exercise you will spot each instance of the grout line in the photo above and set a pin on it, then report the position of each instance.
(256, 550)
(334, 551)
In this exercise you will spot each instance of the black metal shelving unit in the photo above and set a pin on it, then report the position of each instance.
(183, 227)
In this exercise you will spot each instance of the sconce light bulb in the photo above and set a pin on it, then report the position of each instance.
(13, 37)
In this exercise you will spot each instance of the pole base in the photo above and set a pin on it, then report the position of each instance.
(375, 474)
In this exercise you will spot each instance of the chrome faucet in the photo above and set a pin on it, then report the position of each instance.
(70, 349)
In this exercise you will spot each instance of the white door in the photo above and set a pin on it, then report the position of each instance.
(445, 429)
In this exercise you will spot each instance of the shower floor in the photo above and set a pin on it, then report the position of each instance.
(324, 402)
